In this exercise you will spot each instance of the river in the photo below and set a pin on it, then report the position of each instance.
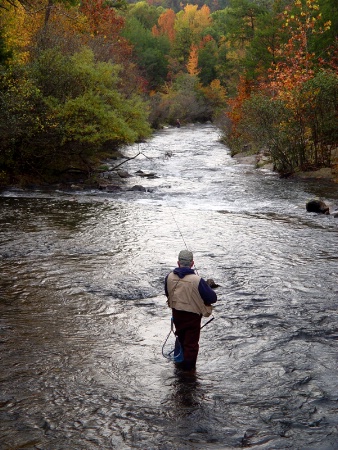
(84, 316)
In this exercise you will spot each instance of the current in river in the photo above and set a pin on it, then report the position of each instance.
(84, 315)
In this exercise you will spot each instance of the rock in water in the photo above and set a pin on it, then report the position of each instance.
(317, 206)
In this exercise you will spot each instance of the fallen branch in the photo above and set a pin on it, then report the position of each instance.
(128, 159)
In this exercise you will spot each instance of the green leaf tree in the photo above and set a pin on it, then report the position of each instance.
(150, 52)
(54, 123)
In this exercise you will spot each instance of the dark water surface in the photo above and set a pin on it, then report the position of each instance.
(83, 315)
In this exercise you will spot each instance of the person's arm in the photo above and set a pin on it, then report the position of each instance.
(208, 295)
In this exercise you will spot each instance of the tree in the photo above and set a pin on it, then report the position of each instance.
(18, 29)
(328, 41)
(106, 39)
(296, 64)
(235, 113)
(194, 19)
(216, 96)
(241, 21)
(48, 128)
(5, 54)
(146, 14)
(189, 28)
(262, 50)
(243, 31)
(192, 65)
(150, 52)
(165, 26)
(90, 105)
(285, 113)
(208, 57)
(321, 115)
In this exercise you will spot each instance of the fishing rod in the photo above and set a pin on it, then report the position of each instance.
(210, 320)
(206, 323)
(175, 352)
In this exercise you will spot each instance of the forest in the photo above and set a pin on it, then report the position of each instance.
(79, 79)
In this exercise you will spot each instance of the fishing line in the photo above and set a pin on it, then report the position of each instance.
(179, 230)
(177, 225)
(172, 215)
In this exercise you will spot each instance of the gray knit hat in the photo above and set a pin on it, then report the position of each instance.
(185, 258)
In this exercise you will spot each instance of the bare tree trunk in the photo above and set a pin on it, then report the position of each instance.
(47, 13)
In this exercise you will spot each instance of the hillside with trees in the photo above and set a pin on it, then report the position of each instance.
(78, 80)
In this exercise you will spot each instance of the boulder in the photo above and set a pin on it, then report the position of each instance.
(105, 185)
(317, 206)
(123, 174)
(138, 187)
(112, 188)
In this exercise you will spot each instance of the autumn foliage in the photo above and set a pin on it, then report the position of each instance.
(165, 25)
(293, 93)
(78, 79)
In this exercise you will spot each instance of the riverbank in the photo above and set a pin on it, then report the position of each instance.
(325, 175)
(261, 161)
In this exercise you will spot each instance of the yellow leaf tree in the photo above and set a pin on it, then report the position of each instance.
(192, 65)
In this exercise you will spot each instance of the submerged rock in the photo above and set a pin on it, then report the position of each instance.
(138, 187)
(140, 173)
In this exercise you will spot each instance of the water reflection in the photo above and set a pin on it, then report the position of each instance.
(187, 394)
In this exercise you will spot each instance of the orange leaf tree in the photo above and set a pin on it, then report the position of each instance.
(165, 25)
(290, 76)
(296, 64)
(285, 114)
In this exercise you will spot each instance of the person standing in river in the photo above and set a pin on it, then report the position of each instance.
(190, 297)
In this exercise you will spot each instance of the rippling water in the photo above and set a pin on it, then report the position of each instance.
(83, 315)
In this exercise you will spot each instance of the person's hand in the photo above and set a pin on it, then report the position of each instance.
(210, 282)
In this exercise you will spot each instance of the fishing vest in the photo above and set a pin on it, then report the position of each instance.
(183, 294)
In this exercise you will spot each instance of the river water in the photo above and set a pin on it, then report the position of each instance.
(84, 316)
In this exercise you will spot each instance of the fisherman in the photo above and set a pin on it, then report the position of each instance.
(190, 298)
(178, 123)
